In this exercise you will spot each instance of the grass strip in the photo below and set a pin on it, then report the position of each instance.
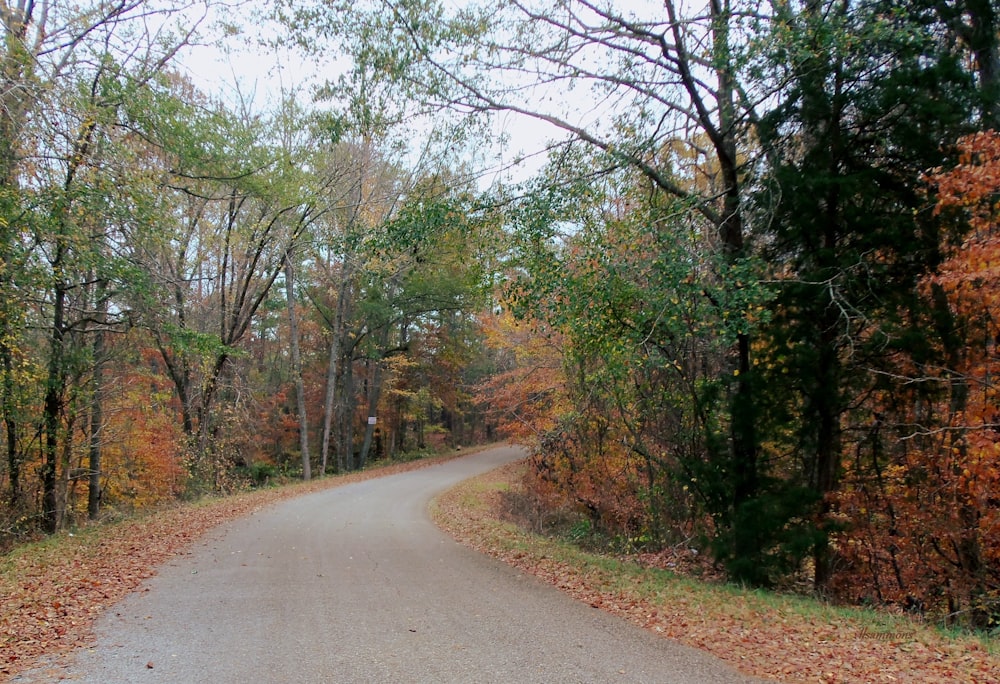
(764, 634)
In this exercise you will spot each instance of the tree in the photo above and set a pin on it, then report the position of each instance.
(300, 392)
(793, 128)
(65, 71)
(231, 209)
(17, 82)
(423, 274)
(920, 511)
(646, 314)
(143, 227)
(870, 96)
(365, 193)
(291, 122)
(626, 58)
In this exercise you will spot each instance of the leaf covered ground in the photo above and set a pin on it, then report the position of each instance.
(51, 592)
(783, 638)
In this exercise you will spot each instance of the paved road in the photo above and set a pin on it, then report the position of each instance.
(355, 584)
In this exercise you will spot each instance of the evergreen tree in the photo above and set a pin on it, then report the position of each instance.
(873, 93)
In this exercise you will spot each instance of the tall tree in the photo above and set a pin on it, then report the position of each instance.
(232, 207)
(300, 391)
(871, 96)
(917, 496)
(823, 111)
(17, 93)
(65, 72)
(423, 270)
(670, 80)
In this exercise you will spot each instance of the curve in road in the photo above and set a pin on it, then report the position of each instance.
(356, 584)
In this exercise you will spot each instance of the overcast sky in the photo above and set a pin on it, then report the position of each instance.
(238, 70)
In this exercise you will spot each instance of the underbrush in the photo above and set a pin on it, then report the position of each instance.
(524, 506)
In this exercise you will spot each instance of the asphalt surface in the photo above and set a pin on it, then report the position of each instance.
(356, 584)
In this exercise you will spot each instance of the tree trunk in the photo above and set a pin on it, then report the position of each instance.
(96, 411)
(344, 410)
(55, 386)
(67, 480)
(374, 392)
(968, 546)
(300, 392)
(827, 412)
(10, 423)
(209, 386)
(12, 114)
(328, 402)
(743, 425)
(332, 372)
(825, 136)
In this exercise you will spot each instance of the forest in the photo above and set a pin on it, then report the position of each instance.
(741, 296)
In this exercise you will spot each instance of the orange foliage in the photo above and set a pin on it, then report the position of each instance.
(974, 183)
(582, 461)
(587, 467)
(143, 445)
(275, 436)
(528, 393)
(924, 528)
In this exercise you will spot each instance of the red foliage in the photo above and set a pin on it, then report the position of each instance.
(143, 445)
(924, 523)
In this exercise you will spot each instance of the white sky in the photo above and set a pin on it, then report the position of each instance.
(239, 71)
(235, 67)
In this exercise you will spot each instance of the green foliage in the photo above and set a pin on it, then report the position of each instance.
(729, 265)
(260, 473)
(648, 313)
(781, 537)
(870, 98)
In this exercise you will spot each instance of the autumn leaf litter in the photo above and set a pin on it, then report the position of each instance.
(51, 595)
(759, 635)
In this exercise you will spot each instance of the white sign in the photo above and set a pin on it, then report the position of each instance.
(372, 420)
